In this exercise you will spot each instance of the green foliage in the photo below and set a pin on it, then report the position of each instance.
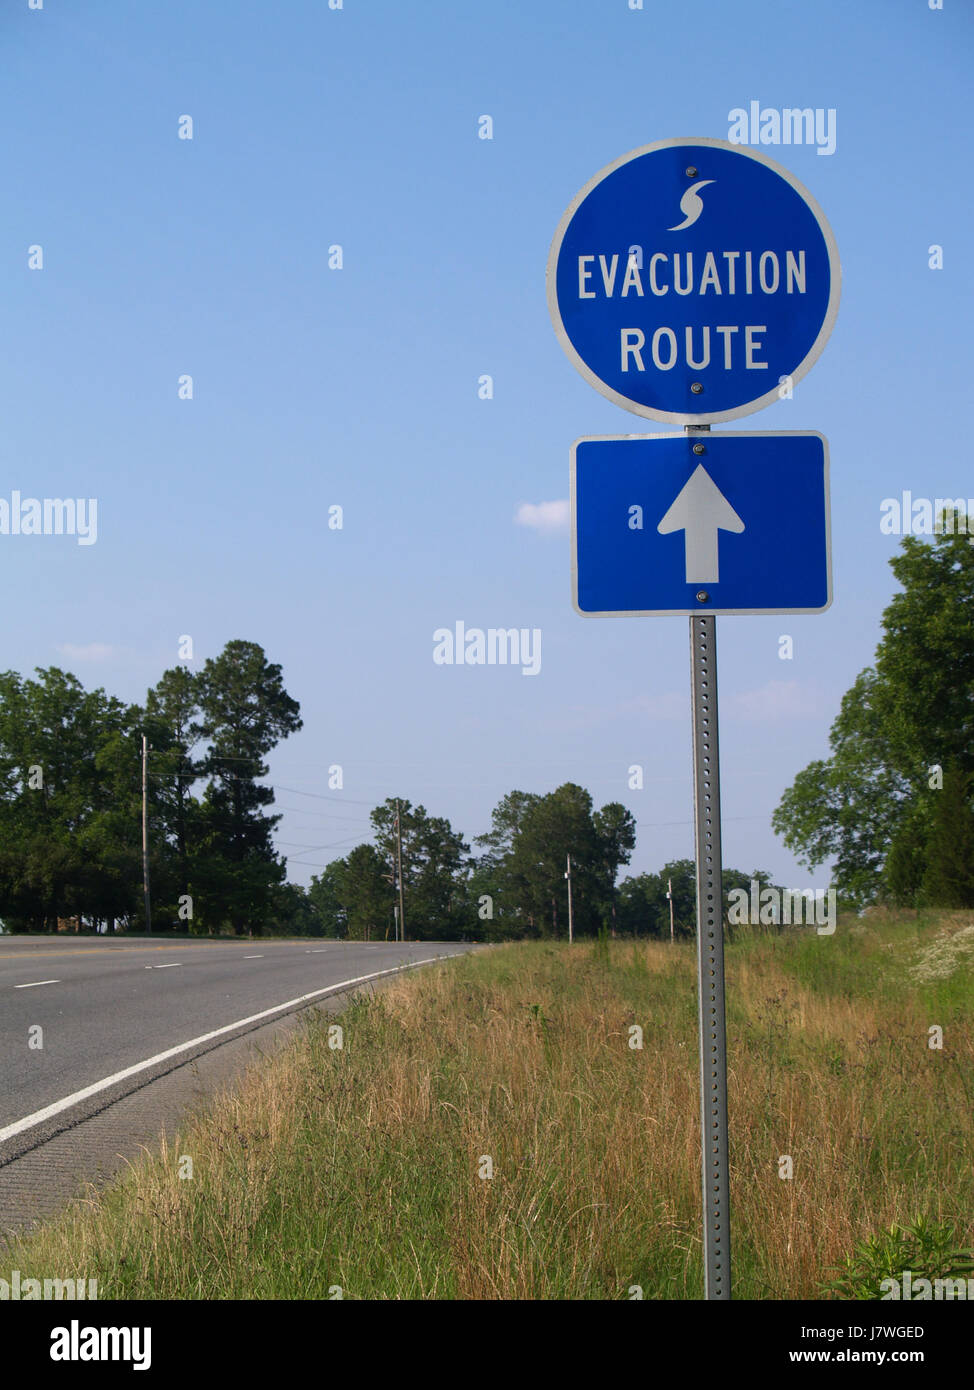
(433, 858)
(906, 861)
(172, 725)
(948, 879)
(645, 907)
(912, 710)
(245, 712)
(66, 845)
(600, 948)
(925, 1248)
(527, 854)
(366, 894)
(70, 798)
(326, 900)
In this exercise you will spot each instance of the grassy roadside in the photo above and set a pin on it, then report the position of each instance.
(360, 1167)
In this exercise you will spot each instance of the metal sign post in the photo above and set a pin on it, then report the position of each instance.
(693, 282)
(710, 959)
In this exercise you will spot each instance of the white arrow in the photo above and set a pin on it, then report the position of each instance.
(701, 509)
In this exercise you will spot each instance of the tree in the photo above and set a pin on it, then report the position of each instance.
(66, 848)
(948, 879)
(643, 909)
(527, 850)
(70, 798)
(615, 833)
(912, 710)
(291, 912)
(327, 903)
(245, 712)
(493, 871)
(553, 827)
(434, 859)
(506, 819)
(366, 895)
(906, 862)
(173, 728)
(925, 662)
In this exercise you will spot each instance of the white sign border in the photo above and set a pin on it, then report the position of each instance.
(688, 417)
(704, 609)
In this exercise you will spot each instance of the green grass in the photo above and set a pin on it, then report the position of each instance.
(359, 1168)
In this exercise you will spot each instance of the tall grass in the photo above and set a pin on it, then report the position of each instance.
(360, 1169)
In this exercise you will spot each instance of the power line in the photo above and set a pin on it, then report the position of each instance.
(204, 775)
(347, 801)
(314, 848)
(274, 786)
(322, 815)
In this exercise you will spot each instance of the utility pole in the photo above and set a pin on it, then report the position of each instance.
(391, 880)
(145, 832)
(402, 909)
(568, 875)
(669, 894)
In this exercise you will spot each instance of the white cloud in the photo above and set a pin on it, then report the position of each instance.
(544, 516)
(775, 700)
(671, 705)
(653, 708)
(91, 651)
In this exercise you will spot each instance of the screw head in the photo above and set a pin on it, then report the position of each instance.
(691, 172)
(696, 387)
(702, 596)
(699, 449)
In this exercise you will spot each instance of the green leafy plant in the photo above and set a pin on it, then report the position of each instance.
(600, 947)
(926, 1248)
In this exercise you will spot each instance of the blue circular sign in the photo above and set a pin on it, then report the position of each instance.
(693, 281)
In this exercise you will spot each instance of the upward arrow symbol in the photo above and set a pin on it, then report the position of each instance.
(701, 509)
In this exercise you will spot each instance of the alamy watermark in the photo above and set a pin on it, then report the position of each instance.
(28, 1290)
(921, 1290)
(755, 124)
(495, 646)
(770, 906)
(77, 1343)
(907, 515)
(50, 516)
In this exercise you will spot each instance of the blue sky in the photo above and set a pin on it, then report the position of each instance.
(358, 387)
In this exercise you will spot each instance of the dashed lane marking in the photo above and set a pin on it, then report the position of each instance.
(39, 1116)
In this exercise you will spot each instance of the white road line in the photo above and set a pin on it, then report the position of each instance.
(39, 1116)
(35, 983)
(253, 957)
(168, 966)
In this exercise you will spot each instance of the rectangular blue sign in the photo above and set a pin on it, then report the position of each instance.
(681, 524)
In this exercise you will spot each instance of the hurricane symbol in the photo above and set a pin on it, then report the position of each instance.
(691, 205)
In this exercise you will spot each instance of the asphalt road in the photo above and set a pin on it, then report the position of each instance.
(115, 1014)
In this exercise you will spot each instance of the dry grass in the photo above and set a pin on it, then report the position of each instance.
(360, 1168)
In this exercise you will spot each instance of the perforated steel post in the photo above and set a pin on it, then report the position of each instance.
(710, 960)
